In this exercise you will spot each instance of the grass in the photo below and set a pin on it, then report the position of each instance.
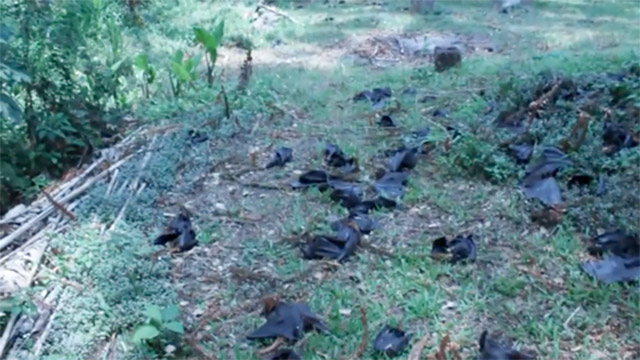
(526, 283)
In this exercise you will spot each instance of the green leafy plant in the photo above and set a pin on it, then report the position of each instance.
(148, 72)
(474, 157)
(17, 305)
(58, 84)
(13, 306)
(210, 41)
(161, 322)
(183, 71)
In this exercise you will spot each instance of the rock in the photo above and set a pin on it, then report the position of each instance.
(446, 57)
(169, 349)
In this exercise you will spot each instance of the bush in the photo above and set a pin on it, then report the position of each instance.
(473, 157)
(55, 88)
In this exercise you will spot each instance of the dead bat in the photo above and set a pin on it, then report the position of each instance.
(338, 247)
(180, 232)
(288, 320)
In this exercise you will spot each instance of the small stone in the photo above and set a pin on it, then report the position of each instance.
(450, 305)
(345, 312)
(184, 303)
(198, 312)
(169, 349)
(220, 206)
(446, 57)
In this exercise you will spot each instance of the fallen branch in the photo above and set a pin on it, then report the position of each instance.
(12, 321)
(277, 12)
(7, 240)
(31, 241)
(134, 186)
(59, 206)
(61, 189)
(8, 329)
(112, 182)
(37, 348)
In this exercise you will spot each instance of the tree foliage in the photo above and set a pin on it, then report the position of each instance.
(55, 90)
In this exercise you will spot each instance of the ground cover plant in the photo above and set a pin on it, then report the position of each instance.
(324, 191)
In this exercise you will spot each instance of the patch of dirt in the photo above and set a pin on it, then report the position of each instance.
(389, 49)
(371, 48)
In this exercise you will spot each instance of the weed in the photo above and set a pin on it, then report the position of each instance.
(471, 156)
(161, 328)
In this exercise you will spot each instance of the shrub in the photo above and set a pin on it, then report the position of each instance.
(55, 87)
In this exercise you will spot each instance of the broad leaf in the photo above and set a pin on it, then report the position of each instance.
(116, 66)
(218, 32)
(142, 62)
(180, 72)
(191, 65)
(203, 37)
(10, 74)
(170, 313)
(175, 326)
(154, 313)
(5, 33)
(9, 108)
(177, 57)
(145, 332)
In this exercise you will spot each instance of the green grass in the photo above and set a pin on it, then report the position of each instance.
(526, 282)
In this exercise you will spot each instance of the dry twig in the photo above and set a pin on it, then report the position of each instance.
(365, 335)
